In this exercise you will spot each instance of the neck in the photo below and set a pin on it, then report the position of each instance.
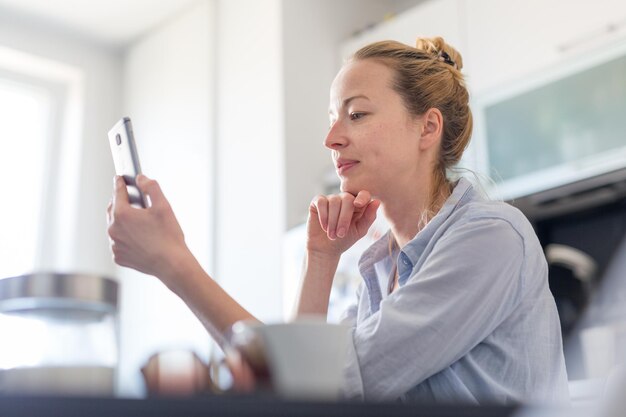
(407, 214)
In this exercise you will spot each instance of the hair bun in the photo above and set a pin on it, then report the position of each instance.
(439, 48)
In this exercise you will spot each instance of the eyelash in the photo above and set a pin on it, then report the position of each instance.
(357, 115)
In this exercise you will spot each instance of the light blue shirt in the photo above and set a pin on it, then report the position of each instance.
(473, 320)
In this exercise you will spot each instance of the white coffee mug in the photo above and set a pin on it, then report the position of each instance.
(305, 357)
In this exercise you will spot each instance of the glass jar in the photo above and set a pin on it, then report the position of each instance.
(59, 334)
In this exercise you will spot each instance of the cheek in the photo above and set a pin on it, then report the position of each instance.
(376, 139)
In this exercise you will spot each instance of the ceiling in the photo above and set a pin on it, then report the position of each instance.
(113, 22)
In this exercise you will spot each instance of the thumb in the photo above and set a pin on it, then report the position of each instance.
(369, 215)
(152, 189)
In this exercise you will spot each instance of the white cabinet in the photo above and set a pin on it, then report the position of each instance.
(532, 65)
(508, 40)
(432, 18)
(502, 41)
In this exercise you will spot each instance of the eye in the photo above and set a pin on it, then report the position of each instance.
(356, 115)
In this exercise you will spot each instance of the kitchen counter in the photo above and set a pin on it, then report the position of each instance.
(227, 405)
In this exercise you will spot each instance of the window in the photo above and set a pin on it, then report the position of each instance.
(40, 130)
(24, 123)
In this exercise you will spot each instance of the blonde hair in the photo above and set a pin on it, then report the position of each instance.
(429, 76)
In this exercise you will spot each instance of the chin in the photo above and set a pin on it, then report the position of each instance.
(345, 188)
(351, 187)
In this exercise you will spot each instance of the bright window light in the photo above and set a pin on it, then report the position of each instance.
(24, 131)
(23, 345)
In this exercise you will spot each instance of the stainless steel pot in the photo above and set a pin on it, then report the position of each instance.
(59, 334)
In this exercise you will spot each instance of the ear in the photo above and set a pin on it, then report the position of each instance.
(432, 128)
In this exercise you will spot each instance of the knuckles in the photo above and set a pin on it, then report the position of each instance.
(114, 232)
(119, 256)
(317, 199)
(120, 214)
(347, 196)
(161, 211)
(334, 198)
(149, 184)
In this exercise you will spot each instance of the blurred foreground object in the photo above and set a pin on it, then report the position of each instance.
(59, 334)
(572, 277)
(303, 359)
(176, 373)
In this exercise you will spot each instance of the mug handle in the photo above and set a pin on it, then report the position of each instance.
(241, 373)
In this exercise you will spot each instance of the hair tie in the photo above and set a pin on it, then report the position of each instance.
(444, 57)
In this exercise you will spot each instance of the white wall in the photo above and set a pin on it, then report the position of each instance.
(250, 159)
(168, 93)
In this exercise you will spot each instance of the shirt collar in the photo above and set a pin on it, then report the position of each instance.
(413, 250)
(380, 250)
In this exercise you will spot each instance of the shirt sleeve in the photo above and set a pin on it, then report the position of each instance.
(470, 282)
(349, 316)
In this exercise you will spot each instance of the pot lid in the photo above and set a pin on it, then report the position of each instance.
(58, 291)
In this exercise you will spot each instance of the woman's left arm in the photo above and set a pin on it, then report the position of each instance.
(334, 224)
(469, 284)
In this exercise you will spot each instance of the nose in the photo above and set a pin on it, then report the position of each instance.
(336, 137)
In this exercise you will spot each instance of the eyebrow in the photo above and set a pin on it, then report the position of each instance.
(349, 99)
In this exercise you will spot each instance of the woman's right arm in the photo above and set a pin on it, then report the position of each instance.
(334, 224)
(151, 241)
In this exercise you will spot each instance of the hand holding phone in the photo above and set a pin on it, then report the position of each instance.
(126, 159)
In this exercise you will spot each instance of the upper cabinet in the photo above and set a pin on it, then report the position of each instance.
(503, 41)
(432, 18)
(508, 40)
(547, 80)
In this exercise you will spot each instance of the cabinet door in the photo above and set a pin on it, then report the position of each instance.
(432, 18)
(512, 38)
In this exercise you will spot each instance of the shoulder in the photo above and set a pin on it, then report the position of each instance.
(499, 229)
(468, 205)
(498, 215)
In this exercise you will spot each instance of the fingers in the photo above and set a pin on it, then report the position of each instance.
(242, 374)
(345, 215)
(120, 193)
(320, 204)
(334, 210)
(152, 189)
(369, 215)
(337, 212)
(362, 198)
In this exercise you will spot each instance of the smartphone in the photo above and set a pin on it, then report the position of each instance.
(126, 159)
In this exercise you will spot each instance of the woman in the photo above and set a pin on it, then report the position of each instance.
(454, 304)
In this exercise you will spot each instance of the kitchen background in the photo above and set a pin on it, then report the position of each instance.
(228, 100)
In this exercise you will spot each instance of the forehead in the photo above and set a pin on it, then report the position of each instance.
(367, 77)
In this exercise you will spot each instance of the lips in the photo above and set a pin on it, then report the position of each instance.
(344, 165)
